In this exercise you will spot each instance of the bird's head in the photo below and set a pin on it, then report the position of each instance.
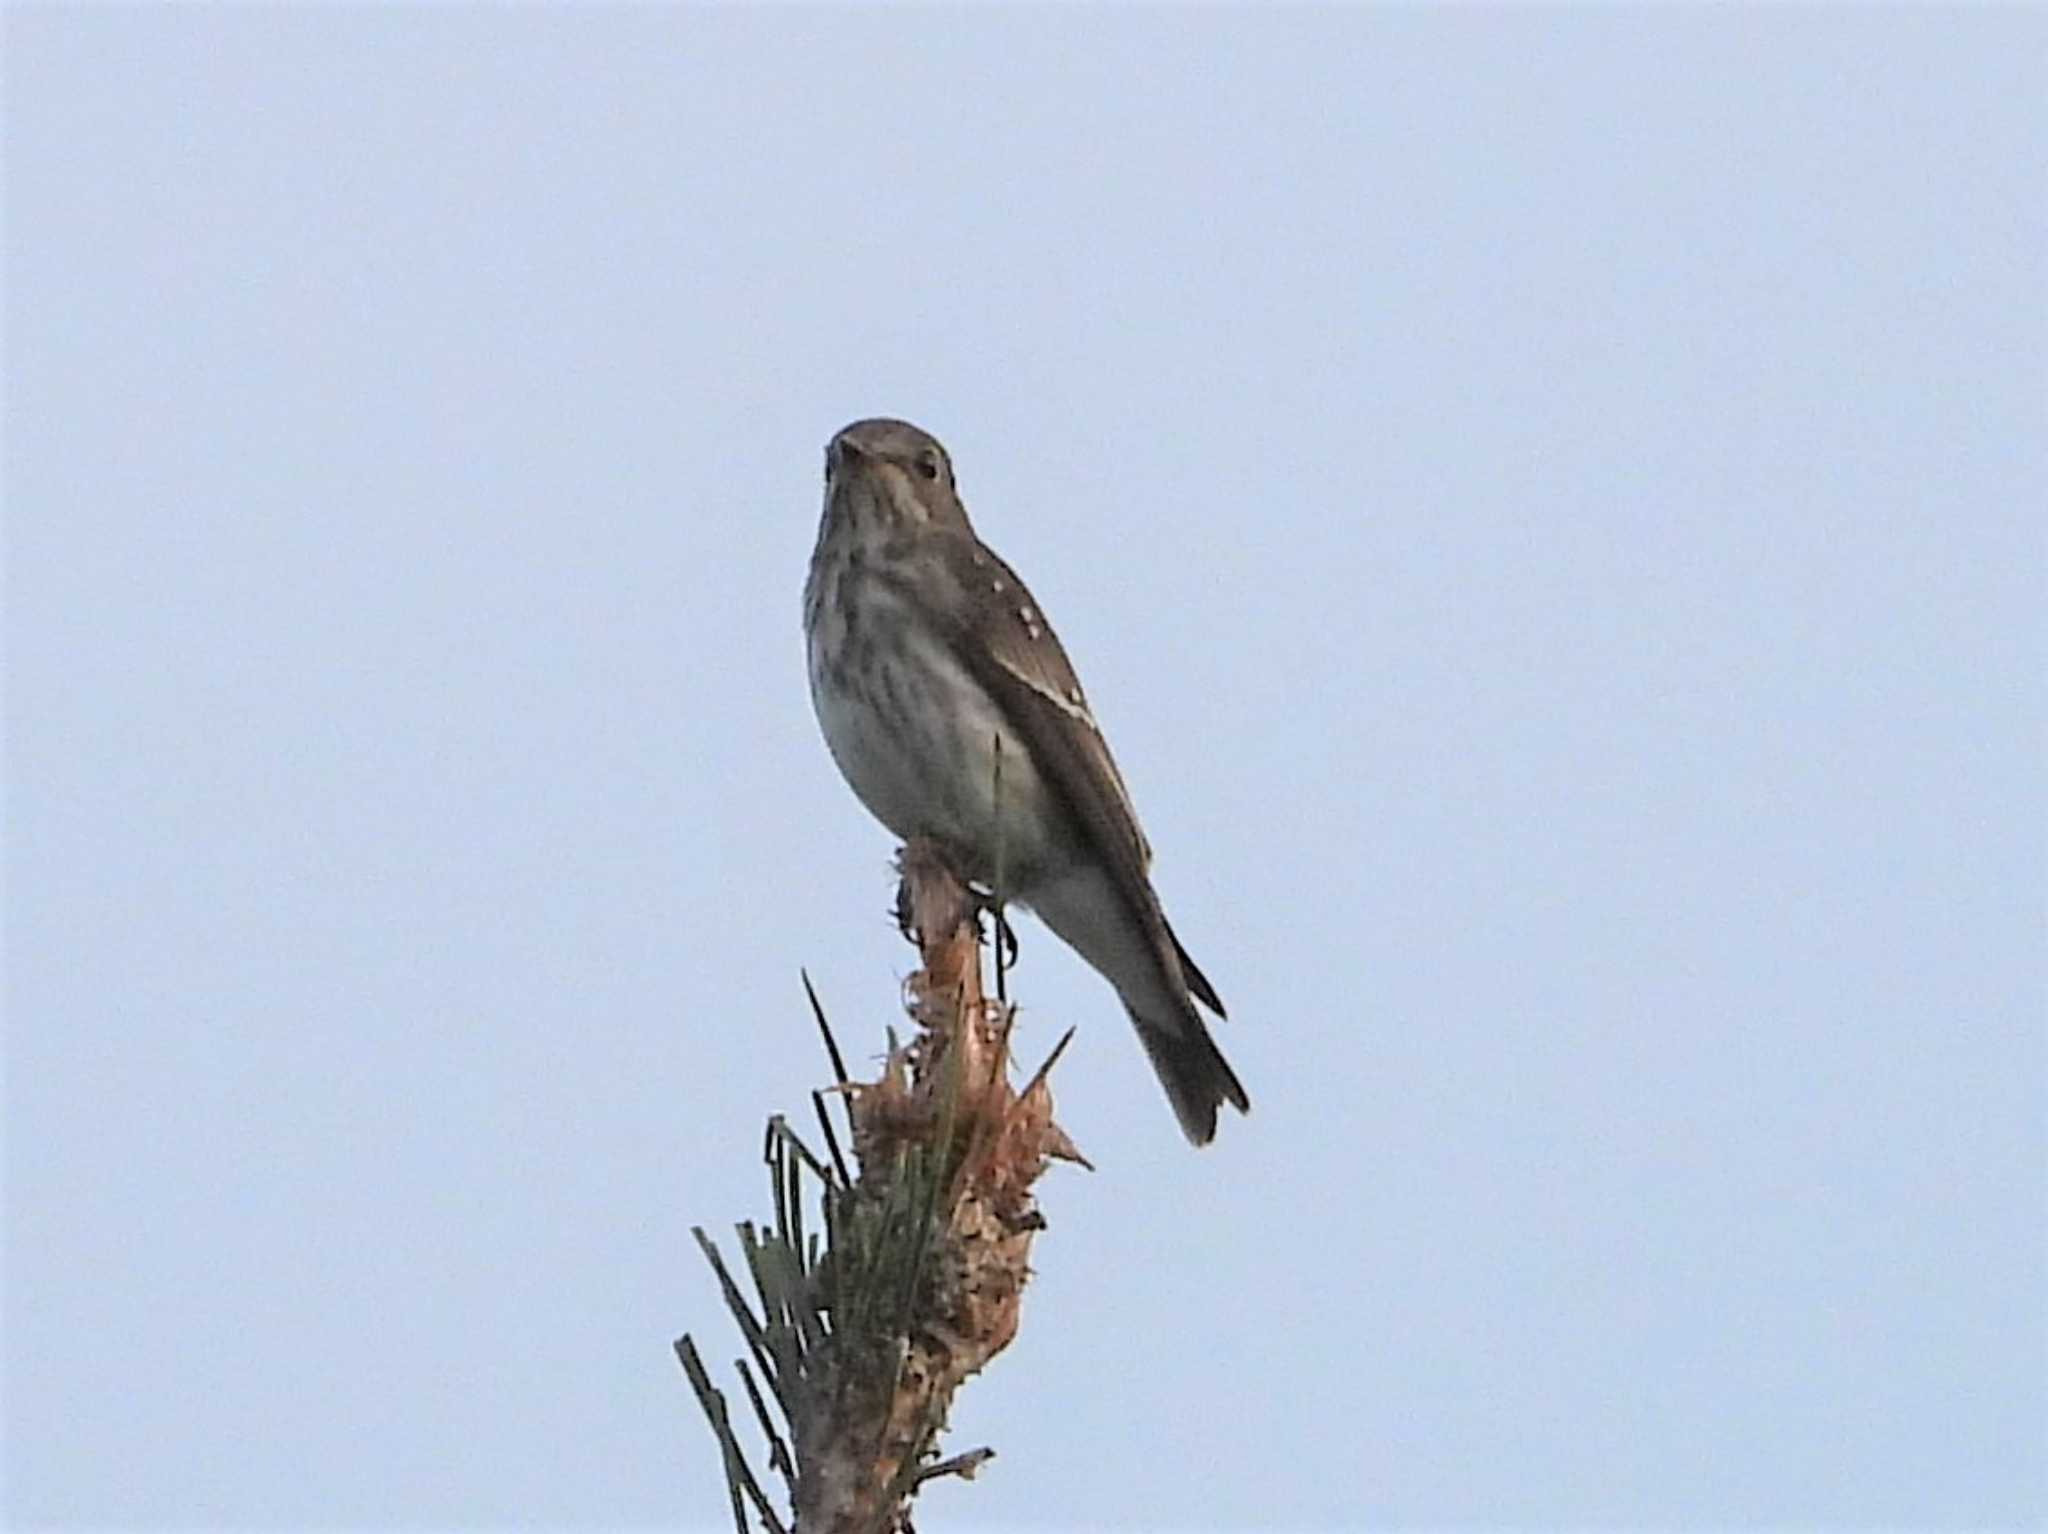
(894, 472)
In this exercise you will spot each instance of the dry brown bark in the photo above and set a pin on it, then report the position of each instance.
(921, 1283)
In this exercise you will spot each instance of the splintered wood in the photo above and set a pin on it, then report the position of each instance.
(942, 1125)
(957, 1065)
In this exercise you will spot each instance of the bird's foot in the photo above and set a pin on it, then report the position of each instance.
(1005, 935)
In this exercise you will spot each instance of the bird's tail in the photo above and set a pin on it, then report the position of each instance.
(1197, 1078)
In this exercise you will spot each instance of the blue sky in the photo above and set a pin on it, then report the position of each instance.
(1547, 504)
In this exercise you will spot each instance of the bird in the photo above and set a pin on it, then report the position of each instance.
(953, 713)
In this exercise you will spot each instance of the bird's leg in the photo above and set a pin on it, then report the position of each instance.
(985, 902)
(980, 900)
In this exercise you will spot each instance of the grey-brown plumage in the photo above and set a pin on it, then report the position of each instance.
(926, 650)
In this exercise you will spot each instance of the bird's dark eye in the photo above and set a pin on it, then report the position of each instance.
(928, 465)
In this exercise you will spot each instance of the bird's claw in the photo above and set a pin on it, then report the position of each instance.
(1006, 935)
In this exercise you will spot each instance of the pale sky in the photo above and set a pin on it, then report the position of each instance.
(1547, 504)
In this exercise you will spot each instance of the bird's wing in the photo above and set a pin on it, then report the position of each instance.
(1013, 652)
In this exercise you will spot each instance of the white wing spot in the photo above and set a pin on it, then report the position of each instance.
(1032, 630)
(1027, 614)
(995, 585)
